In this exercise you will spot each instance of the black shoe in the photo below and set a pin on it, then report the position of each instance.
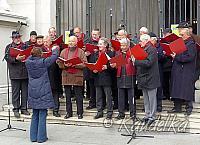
(80, 116)
(150, 121)
(16, 114)
(174, 111)
(145, 120)
(115, 107)
(188, 113)
(67, 116)
(120, 116)
(56, 114)
(90, 107)
(25, 112)
(109, 117)
(98, 115)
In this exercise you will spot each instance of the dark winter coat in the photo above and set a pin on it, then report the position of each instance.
(147, 70)
(39, 89)
(183, 72)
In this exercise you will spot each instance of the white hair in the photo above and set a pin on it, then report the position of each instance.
(144, 29)
(144, 37)
(122, 31)
(125, 40)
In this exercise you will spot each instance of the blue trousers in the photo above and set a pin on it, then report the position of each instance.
(38, 125)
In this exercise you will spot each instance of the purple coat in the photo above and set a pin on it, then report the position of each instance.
(39, 89)
(183, 73)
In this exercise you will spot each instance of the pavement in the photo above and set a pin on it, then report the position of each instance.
(84, 135)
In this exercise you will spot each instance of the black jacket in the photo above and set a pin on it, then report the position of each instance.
(17, 69)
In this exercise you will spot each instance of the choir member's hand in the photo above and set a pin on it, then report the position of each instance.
(68, 64)
(104, 67)
(87, 53)
(54, 48)
(173, 55)
(20, 57)
(164, 52)
(132, 58)
(113, 65)
(95, 71)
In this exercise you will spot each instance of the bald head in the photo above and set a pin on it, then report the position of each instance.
(73, 41)
(121, 34)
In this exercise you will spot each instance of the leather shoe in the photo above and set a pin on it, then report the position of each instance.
(120, 116)
(109, 117)
(98, 115)
(187, 113)
(174, 111)
(67, 116)
(25, 112)
(80, 116)
(56, 114)
(90, 107)
(16, 114)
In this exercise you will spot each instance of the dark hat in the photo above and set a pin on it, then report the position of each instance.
(39, 36)
(184, 24)
(33, 33)
(167, 30)
(151, 34)
(15, 34)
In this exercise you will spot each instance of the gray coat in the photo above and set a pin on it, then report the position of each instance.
(17, 69)
(183, 73)
(147, 70)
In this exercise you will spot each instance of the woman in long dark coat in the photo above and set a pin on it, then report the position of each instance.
(183, 75)
(40, 96)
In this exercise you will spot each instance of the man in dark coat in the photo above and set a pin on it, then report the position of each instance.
(32, 40)
(18, 76)
(103, 82)
(148, 78)
(183, 74)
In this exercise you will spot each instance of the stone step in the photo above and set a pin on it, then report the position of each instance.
(161, 125)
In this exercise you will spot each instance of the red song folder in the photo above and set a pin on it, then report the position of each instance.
(46, 54)
(170, 38)
(91, 47)
(116, 45)
(138, 52)
(102, 60)
(14, 52)
(177, 46)
(73, 61)
(58, 41)
(119, 60)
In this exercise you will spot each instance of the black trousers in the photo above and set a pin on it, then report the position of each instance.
(167, 84)
(92, 101)
(79, 99)
(56, 96)
(121, 100)
(99, 99)
(179, 102)
(19, 88)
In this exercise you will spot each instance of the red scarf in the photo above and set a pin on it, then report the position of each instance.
(71, 70)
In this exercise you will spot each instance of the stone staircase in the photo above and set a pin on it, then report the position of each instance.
(164, 123)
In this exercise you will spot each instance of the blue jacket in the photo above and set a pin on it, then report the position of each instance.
(39, 89)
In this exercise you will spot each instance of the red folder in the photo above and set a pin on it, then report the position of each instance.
(80, 44)
(46, 54)
(73, 61)
(58, 41)
(116, 45)
(119, 60)
(91, 47)
(198, 46)
(64, 45)
(170, 38)
(14, 52)
(102, 60)
(138, 52)
(177, 46)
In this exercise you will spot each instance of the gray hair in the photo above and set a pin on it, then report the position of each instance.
(144, 37)
(125, 40)
(105, 41)
(144, 29)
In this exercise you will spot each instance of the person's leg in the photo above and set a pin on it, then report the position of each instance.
(68, 94)
(121, 103)
(189, 107)
(57, 103)
(153, 103)
(34, 125)
(108, 93)
(24, 96)
(79, 99)
(92, 102)
(146, 103)
(15, 94)
(99, 100)
(132, 101)
(42, 131)
(159, 97)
